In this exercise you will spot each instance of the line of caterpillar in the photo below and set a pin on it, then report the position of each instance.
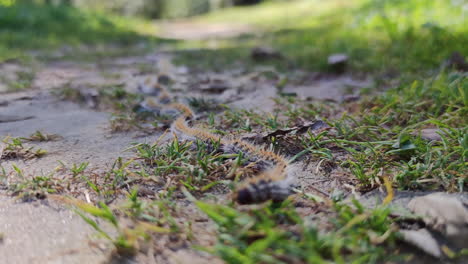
(271, 183)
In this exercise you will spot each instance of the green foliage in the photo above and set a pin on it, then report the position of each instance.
(385, 137)
(145, 219)
(277, 234)
(443, 97)
(78, 169)
(379, 36)
(202, 104)
(31, 187)
(42, 137)
(200, 163)
(28, 26)
(15, 149)
(246, 120)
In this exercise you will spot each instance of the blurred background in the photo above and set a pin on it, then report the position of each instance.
(387, 77)
(377, 35)
(146, 8)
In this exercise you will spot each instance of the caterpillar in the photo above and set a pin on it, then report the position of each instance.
(270, 183)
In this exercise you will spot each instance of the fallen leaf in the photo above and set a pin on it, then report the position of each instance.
(301, 129)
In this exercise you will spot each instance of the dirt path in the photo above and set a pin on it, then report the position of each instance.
(201, 31)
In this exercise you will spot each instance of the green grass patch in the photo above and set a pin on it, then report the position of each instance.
(277, 234)
(25, 27)
(416, 133)
(378, 36)
(145, 219)
(14, 148)
(395, 121)
(202, 169)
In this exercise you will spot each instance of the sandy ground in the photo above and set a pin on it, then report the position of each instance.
(46, 232)
(40, 232)
(43, 232)
(196, 31)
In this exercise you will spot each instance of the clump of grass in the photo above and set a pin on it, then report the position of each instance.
(134, 222)
(384, 136)
(42, 137)
(249, 120)
(400, 113)
(202, 104)
(23, 80)
(68, 93)
(113, 97)
(106, 186)
(443, 97)
(277, 234)
(78, 169)
(30, 188)
(15, 149)
(196, 165)
(20, 79)
(128, 239)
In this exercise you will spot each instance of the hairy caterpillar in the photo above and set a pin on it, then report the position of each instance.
(271, 182)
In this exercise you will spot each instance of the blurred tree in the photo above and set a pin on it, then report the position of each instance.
(247, 2)
(149, 8)
(153, 8)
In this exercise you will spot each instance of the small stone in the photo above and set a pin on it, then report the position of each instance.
(264, 53)
(338, 62)
(164, 79)
(442, 212)
(423, 240)
(431, 134)
(337, 58)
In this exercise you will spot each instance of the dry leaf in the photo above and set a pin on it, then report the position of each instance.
(423, 240)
